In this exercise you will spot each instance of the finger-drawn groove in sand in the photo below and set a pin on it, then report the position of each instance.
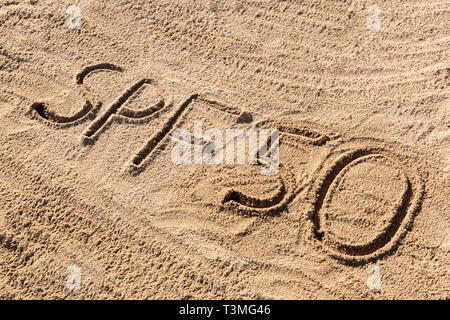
(255, 202)
(289, 134)
(294, 133)
(378, 230)
(45, 113)
(355, 172)
(153, 143)
(90, 69)
(116, 107)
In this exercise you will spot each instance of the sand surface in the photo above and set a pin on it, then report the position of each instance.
(91, 205)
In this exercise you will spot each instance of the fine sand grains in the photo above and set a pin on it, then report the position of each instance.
(92, 204)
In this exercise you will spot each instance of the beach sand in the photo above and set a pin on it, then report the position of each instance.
(92, 205)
